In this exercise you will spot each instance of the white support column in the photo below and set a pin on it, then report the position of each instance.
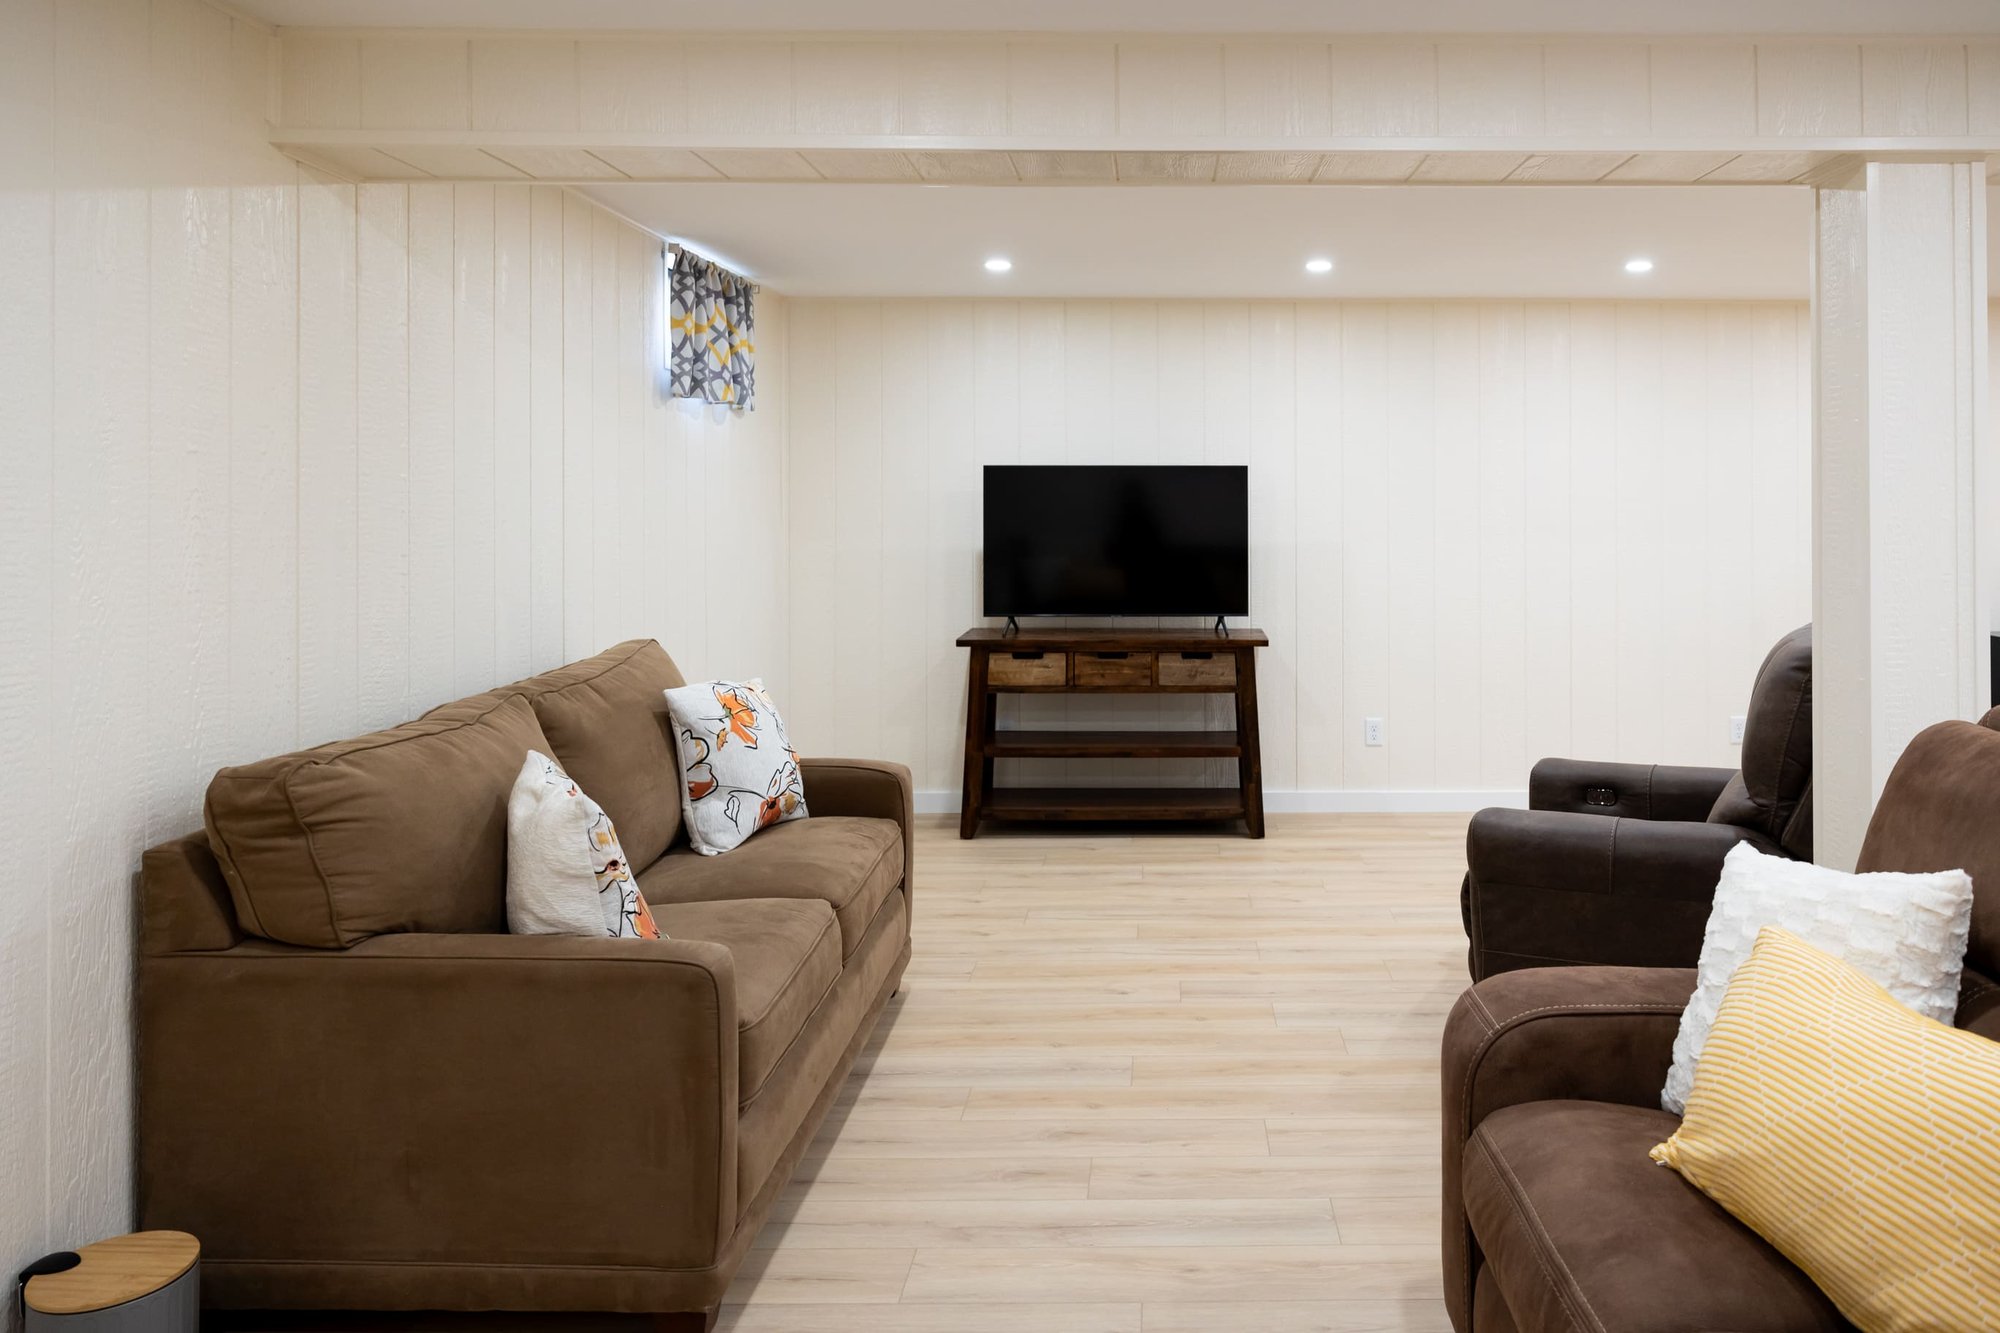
(1899, 429)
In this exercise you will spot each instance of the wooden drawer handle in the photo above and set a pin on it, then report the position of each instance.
(1197, 657)
(1027, 657)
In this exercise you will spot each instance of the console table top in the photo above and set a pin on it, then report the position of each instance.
(1194, 639)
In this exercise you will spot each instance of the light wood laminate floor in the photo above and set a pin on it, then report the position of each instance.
(1154, 1083)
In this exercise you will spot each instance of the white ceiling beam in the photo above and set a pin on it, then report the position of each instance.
(1150, 95)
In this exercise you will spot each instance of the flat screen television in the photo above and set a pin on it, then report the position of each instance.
(1117, 540)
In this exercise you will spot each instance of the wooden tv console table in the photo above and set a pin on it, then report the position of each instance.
(1110, 661)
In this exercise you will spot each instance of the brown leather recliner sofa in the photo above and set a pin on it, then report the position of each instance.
(1554, 1218)
(1616, 864)
(361, 1093)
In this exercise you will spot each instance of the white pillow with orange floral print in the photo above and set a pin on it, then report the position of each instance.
(739, 772)
(566, 872)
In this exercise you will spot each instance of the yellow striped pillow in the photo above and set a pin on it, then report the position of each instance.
(1857, 1136)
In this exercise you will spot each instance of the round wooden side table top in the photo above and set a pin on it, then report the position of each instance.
(113, 1272)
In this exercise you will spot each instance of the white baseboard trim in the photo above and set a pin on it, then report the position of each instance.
(1320, 802)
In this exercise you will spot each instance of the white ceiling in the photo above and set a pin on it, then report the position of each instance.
(1742, 242)
(1166, 16)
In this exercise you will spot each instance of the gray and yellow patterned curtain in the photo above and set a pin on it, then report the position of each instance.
(714, 323)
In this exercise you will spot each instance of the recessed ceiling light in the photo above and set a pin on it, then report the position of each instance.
(1638, 266)
(1319, 266)
(998, 264)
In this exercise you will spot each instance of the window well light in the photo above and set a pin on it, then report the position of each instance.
(1319, 266)
(998, 264)
(1638, 266)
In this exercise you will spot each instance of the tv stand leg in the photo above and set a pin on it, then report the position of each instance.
(1249, 768)
(1012, 626)
(980, 715)
(1221, 628)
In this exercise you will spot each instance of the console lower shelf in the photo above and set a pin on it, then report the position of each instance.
(1075, 804)
(1114, 745)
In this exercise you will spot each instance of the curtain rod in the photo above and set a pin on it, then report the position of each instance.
(676, 250)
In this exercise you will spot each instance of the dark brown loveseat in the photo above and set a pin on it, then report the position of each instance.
(1616, 864)
(1554, 1218)
(361, 1093)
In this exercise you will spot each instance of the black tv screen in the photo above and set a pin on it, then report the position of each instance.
(1117, 541)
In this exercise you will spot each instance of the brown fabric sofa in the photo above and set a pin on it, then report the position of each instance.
(1554, 1218)
(1616, 864)
(363, 1094)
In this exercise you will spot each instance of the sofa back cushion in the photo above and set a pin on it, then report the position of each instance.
(400, 830)
(1940, 810)
(607, 725)
(1766, 796)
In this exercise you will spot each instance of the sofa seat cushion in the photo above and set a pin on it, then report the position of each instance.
(1581, 1231)
(787, 954)
(849, 863)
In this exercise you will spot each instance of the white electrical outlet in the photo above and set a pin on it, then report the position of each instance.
(1736, 730)
(1371, 731)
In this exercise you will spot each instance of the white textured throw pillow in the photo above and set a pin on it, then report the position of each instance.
(1907, 933)
(566, 873)
(738, 769)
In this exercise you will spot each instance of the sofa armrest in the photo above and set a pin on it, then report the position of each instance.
(555, 1103)
(871, 788)
(1636, 791)
(1603, 1034)
(1546, 888)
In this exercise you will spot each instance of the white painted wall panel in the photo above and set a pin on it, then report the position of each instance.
(523, 83)
(1703, 88)
(1809, 88)
(736, 87)
(28, 856)
(1497, 525)
(1062, 88)
(846, 87)
(96, 569)
(954, 87)
(545, 427)
(329, 515)
(1385, 89)
(1490, 88)
(631, 85)
(473, 457)
(1169, 88)
(1277, 88)
(256, 428)
(187, 556)
(1596, 89)
(321, 81)
(419, 83)
(433, 530)
(513, 522)
(382, 326)
(1913, 88)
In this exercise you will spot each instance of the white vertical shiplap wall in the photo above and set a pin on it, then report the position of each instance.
(283, 458)
(1510, 529)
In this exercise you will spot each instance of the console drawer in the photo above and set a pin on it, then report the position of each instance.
(1114, 669)
(1009, 668)
(1185, 669)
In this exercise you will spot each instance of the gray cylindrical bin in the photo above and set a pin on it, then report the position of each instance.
(147, 1282)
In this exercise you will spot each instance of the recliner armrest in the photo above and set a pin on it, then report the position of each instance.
(1603, 1034)
(1628, 791)
(1545, 887)
(871, 788)
(566, 1104)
